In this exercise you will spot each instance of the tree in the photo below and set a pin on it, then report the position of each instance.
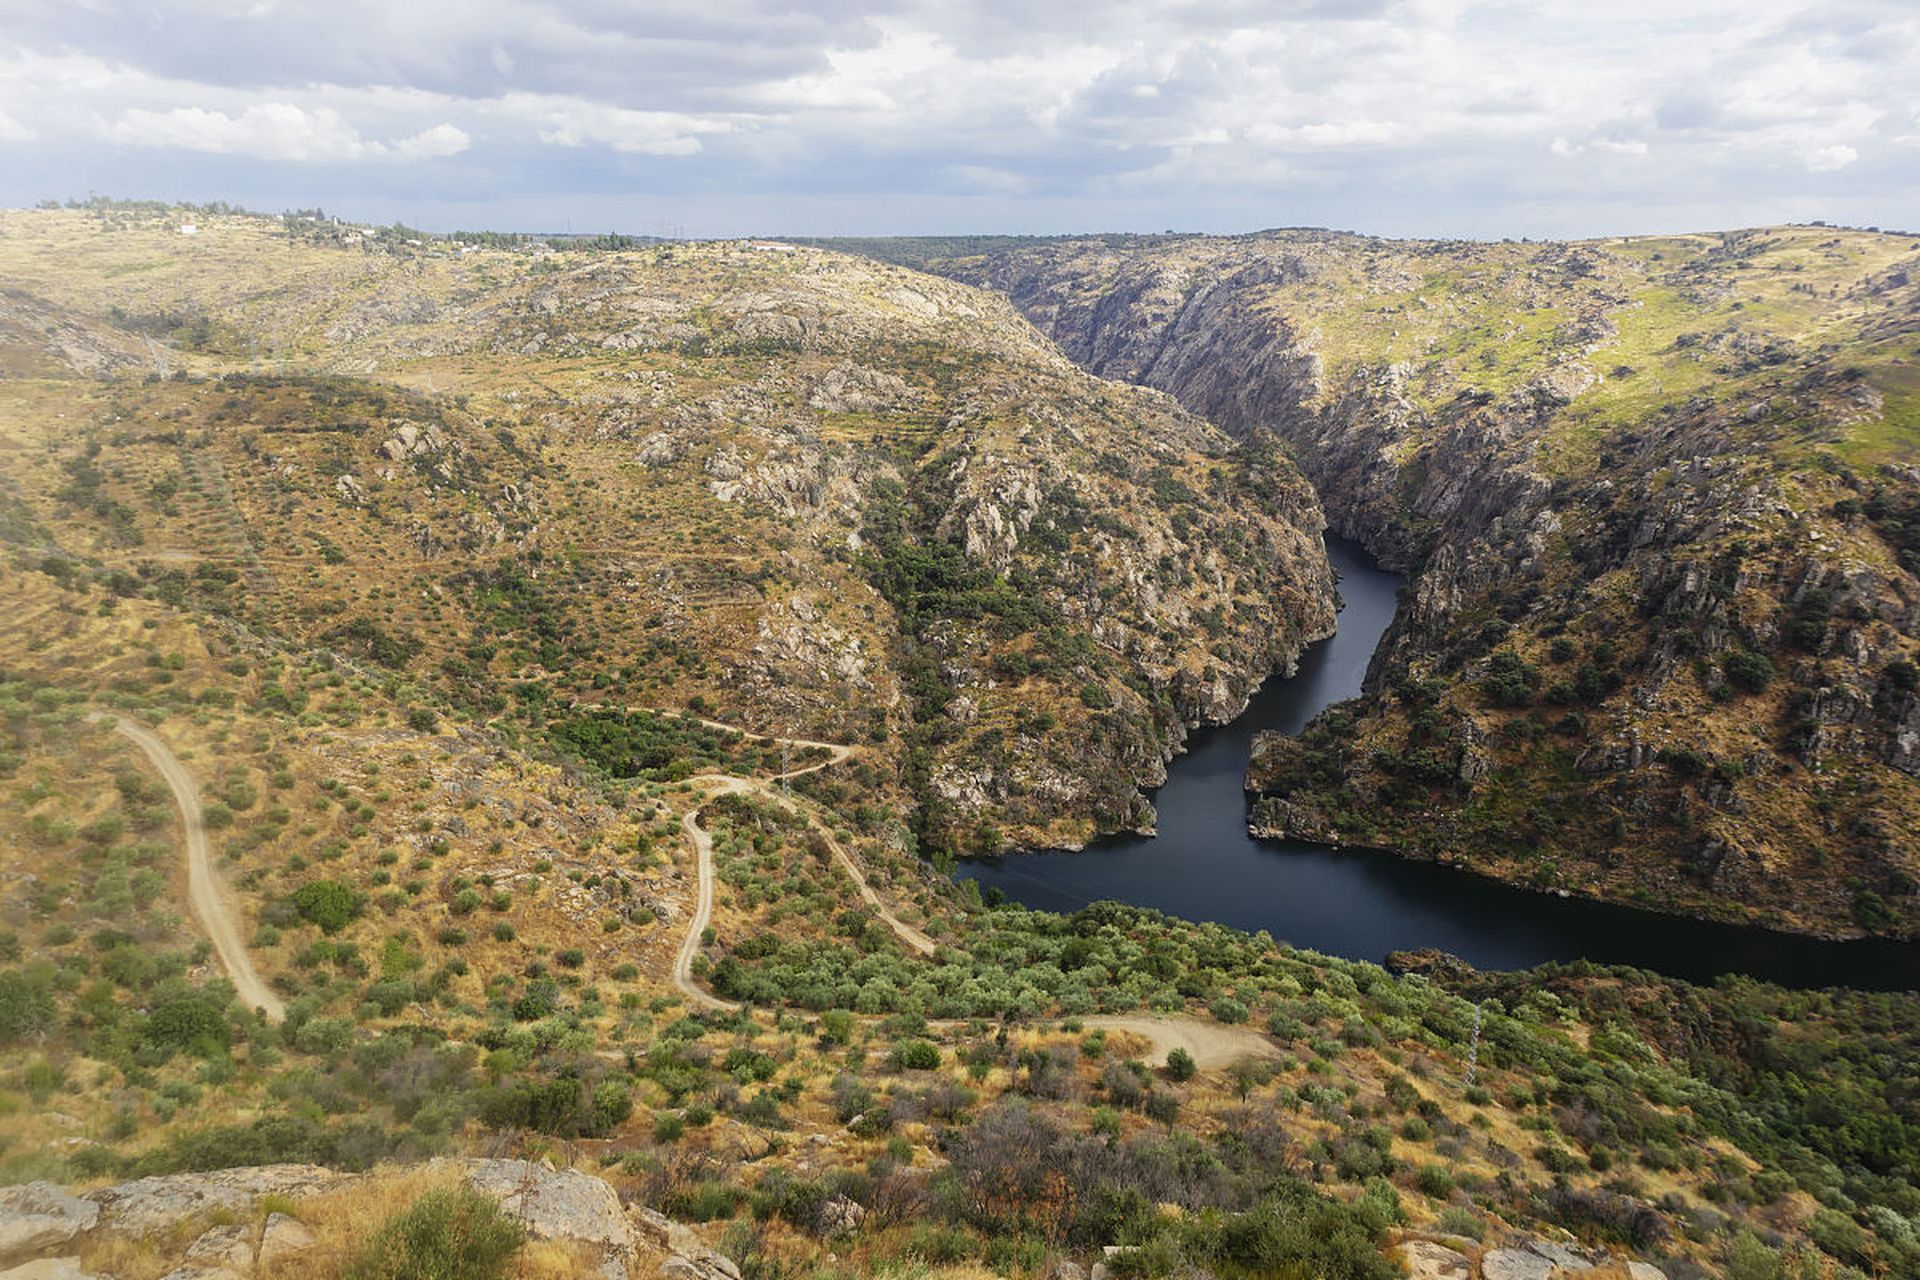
(1180, 1065)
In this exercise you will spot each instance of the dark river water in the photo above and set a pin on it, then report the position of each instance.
(1361, 904)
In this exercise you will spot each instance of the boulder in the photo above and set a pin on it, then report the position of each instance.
(1068, 1271)
(1514, 1264)
(555, 1204)
(229, 1246)
(1426, 1260)
(1563, 1256)
(48, 1269)
(839, 1214)
(281, 1237)
(39, 1216)
(1635, 1271)
(711, 1266)
(149, 1205)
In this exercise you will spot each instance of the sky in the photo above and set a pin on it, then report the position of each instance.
(1481, 118)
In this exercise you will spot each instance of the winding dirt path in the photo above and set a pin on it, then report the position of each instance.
(725, 784)
(210, 905)
(1213, 1045)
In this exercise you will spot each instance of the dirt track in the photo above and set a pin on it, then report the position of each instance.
(210, 905)
(1212, 1044)
(722, 784)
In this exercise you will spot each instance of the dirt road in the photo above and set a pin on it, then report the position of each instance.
(204, 895)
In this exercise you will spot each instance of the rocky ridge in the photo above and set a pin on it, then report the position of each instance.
(1648, 457)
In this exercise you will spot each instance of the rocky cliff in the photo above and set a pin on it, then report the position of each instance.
(1654, 496)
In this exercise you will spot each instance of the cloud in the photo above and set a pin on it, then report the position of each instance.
(1407, 114)
(1830, 159)
(574, 122)
(279, 131)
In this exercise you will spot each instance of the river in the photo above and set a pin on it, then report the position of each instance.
(1361, 904)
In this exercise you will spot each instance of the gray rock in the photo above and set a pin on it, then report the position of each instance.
(39, 1216)
(153, 1204)
(229, 1246)
(1068, 1271)
(1644, 1271)
(282, 1237)
(711, 1266)
(48, 1269)
(555, 1204)
(1560, 1255)
(1429, 1261)
(1514, 1264)
(839, 1214)
(651, 1225)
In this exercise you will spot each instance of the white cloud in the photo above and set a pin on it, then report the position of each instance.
(12, 130)
(1830, 159)
(574, 122)
(432, 144)
(274, 131)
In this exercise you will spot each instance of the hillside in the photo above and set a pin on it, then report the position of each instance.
(1657, 499)
(548, 676)
(799, 491)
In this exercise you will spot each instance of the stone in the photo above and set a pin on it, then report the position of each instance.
(1514, 1264)
(149, 1205)
(228, 1246)
(191, 1272)
(839, 1214)
(281, 1237)
(38, 1216)
(1560, 1255)
(1429, 1261)
(710, 1266)
(654, 1227)
(1644, 1271)
(1068, 1271)
(48, 1269)
(555, 1204)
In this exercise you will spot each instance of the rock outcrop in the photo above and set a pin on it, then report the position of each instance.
(1575, 450)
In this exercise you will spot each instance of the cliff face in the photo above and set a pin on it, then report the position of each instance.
(1654, 496)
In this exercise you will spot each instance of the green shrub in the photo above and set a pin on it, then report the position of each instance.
(916, 1055)
(1746, 670)
(330, 904)
(446, 1234)
(1180, 1065)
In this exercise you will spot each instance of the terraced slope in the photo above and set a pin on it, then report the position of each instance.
(832, 498)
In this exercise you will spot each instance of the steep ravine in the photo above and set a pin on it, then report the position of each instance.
(1658, 638)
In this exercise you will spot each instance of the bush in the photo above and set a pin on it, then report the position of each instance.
(1747, 671)
(1180, 1065)
(447, 1232)
(330, 904)
(916, 1055)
